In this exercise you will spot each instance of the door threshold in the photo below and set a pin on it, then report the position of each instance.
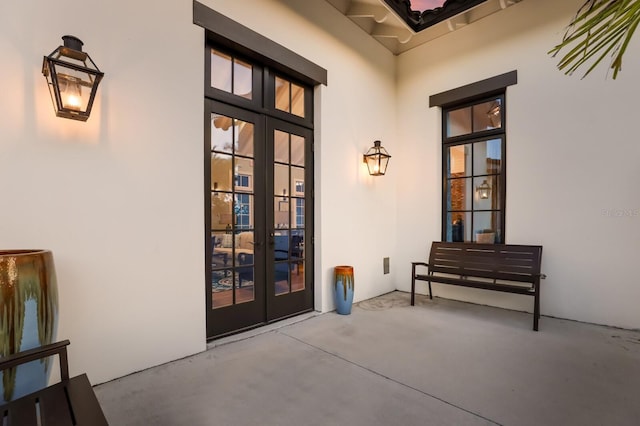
(259, 329)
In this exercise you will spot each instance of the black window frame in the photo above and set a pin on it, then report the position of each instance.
(470, 94)
(470, 139)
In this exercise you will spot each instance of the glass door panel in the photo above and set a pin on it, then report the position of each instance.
(236, 150)
(232, 211)
(290, 170)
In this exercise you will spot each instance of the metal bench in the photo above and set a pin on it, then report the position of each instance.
(69, 402)
(499, 267)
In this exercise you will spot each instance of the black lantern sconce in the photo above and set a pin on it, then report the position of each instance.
(73, 79)
(377, 159)
(483, 190)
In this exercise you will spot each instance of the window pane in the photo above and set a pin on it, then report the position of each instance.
(297, 150)
(492, 193)
(281, 266)
(297, 244)
(243, 177)
(281, 212)
(281, 245)
(221, 166)
(297, 100)
(242, 79)
(281, 146)
(244, 280)
(221, 208)
(281, 180)
(459, 194)
(221, 71)
(221, 133)
(297, 276)
(459, 122)
(243, 210)
(487, 157)
(298, 217)
(219, 260)
(282, 94)
(244, 138)
(281, 274)
(458, 227)
(221, 286)
(486, 227)
(297, 181)
(487, 116)
(459, 160)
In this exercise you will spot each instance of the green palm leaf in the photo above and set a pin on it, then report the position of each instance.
(599, 29)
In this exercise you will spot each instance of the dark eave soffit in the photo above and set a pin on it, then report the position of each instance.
(419, 21)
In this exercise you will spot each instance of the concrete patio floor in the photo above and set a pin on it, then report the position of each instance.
(440, 362)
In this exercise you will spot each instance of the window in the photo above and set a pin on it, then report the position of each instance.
(289, 97)
(242, 208)
(474, 171)
(242, 181)
(231, 75)
(299, 213)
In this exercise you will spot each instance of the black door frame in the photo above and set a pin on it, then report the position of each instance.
(266, 306)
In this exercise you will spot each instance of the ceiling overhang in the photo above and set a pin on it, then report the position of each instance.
(399, 28)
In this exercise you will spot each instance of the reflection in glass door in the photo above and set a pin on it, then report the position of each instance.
(289, 145)
(288, 179)
(232, 214)
(237, 298)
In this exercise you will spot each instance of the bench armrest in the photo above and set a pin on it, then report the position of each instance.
(59, 348)
(413, 267)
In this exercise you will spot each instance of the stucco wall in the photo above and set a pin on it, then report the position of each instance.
(572, 161)
(119, 198)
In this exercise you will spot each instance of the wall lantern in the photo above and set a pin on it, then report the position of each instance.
(73, 79)
(483, 190)
(377, 159)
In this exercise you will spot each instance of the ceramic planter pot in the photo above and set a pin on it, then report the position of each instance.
(343, 287)
(28, 316)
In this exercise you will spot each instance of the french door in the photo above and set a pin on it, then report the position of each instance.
(259, 254)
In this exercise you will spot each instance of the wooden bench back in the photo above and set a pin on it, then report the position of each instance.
(500, 261)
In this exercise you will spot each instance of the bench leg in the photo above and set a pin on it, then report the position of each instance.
(430, 293)
(536, 307)
(413, 289)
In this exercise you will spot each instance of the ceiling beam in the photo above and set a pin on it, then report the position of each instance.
(388, 31)
(364, 10)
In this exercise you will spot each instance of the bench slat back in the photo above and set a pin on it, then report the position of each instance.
(509, 262)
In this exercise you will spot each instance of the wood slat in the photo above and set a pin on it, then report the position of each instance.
(85, 405)
(472, 257)
(506, 266)
(481, 284)
(54, 406)
(22, 412)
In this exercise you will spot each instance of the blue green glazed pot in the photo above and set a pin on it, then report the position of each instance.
(343, 289)
(28, 317)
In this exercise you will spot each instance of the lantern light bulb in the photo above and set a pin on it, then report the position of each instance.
(71, 93)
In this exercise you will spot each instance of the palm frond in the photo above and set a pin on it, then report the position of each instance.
(599, 29)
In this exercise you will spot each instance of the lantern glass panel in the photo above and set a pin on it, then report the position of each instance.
(74, 86)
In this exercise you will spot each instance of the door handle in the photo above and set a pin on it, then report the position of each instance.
(272, 241)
